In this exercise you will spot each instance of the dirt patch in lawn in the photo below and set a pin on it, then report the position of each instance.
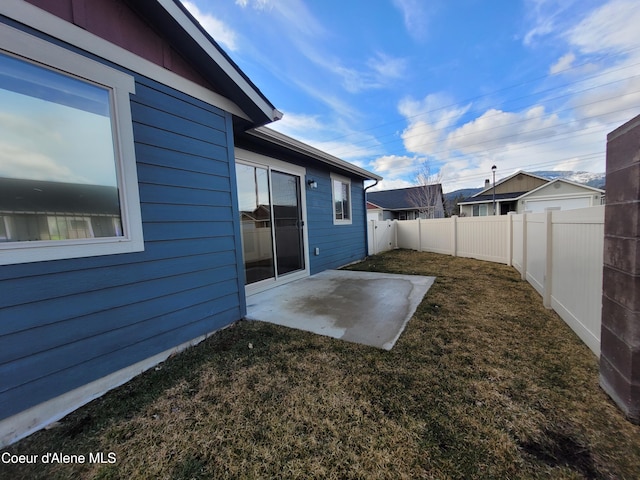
(483, 383)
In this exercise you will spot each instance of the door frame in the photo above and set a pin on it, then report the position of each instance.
(247, 157)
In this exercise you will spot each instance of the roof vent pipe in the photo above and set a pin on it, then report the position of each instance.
(487, 182)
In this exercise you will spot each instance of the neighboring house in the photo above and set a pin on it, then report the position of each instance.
(33, 210)
(141, 198)
(425, 201)
(524, 191)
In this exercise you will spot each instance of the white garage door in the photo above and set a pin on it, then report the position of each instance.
(537, 206)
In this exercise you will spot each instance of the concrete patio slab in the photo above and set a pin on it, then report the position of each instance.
(361, 307)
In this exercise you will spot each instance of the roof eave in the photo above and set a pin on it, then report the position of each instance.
(292, 144)
(498, 200)
(197, 45)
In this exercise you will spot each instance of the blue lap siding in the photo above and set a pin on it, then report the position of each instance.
(338, 244)
(65, 323)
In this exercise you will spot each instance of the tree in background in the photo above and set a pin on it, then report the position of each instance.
(452, 206)
(426, 198)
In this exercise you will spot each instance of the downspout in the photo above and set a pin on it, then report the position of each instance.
(366, 222)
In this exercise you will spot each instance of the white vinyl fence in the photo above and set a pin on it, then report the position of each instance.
(559, 252)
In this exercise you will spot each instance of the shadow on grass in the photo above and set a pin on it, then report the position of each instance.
(558, 449)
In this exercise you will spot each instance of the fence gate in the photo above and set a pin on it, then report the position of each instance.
(381, 236)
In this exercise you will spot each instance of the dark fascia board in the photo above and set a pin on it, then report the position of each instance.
(408, 209)
(291, 144)
(192, 41)
(502, 197)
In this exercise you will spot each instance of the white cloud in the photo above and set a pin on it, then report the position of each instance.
(462, 152)
(415, 17)
(564, 63)
(353, 81)
(296, 122)
(391, 184)
(16, 162)
(334, 137)
(257, 4)
(292, 14)
(387, 67)
(220, 32)
(547, 17)
(379, 71)
(429, 120)
(609, 104)
(394, 165)
(613, 95)
(495, 129)
(611, 28)
(402, 170)
(340, 107)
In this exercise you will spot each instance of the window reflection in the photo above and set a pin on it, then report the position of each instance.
(287, 221)
(341, 200)
(255, 217)
(57, 163)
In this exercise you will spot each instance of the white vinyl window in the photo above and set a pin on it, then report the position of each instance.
(68, 182)
(341, 193)
(480, 210)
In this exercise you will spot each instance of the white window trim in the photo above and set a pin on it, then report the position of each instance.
(16, 42)
(340, 178)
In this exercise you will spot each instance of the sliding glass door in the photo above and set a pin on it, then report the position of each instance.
(271, 222)
(287, 222)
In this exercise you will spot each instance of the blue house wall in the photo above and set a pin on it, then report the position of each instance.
(66, 323)
(338, 244)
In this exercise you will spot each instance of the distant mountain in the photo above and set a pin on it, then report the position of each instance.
(596, 180)
(463, 193)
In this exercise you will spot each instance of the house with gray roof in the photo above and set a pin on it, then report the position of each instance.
(527, 192)
(424, 201)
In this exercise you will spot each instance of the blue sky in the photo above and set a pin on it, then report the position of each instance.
(456, 85)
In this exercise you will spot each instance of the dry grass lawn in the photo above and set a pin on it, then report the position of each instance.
(483, 383)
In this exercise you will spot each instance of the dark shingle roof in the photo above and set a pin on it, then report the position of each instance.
(397, 199)
(489, 197)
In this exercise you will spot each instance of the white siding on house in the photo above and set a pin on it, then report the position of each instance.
(537, 206)
(559, 194)
(374, 214)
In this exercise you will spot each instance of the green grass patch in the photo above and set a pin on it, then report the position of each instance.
(483, 383)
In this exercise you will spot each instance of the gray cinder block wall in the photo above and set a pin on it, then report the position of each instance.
(620, 335)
